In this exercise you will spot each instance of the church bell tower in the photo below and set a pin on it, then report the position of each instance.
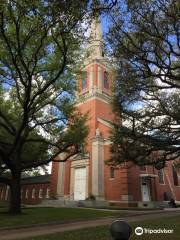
(94, 98)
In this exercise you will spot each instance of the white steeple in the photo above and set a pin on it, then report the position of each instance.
(95, 47)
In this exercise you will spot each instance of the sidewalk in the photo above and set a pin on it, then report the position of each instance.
(20, 233)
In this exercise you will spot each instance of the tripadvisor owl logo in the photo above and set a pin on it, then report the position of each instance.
(139, 231)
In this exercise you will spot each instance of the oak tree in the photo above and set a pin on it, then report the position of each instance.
(38, 121)
(145, 44)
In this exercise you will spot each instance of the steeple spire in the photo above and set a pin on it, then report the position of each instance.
(95, 44)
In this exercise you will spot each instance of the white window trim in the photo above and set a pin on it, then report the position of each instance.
(40, 192)
(7, 193)
(177, 176)
(47, 193)
(33, 193)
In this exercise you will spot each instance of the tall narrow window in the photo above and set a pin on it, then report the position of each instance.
(27, 193)
(33, 192)
(175, 176)
(84, 80)
(7, 193)
(111, 172)
(40, 193)
(106, 80)
(161, 176)
(2, 193)
(47, 192)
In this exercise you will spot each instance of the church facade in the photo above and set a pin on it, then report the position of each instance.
(87, 175)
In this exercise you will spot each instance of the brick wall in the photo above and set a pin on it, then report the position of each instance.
(54, 179)
(30, 194)
(35, 193)
(126, 181)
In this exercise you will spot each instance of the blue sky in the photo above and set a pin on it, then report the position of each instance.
(104, 24)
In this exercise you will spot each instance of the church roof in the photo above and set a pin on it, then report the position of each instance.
(36, 179)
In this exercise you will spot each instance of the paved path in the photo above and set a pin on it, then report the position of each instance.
(17, 234)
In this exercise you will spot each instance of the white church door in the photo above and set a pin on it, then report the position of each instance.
(145, 191)
(80, 184)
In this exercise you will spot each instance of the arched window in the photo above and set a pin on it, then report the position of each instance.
(40, 193)
(33, 193)
(84, 79)
(175, 176)
(161, 176)
(106, 79)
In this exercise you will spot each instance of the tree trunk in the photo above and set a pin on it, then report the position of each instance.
(15, 196)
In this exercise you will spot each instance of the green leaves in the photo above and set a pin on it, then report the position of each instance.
(145, 44)
(40, 43)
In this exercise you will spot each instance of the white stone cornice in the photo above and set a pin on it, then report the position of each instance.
(106, 123)
(148, 175)
(108, 142)
(94, 95)
(102, 62)
(80, 163)
(80, 156)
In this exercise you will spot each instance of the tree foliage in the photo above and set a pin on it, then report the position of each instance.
(145, 43)
(40, 42)
(38, 121)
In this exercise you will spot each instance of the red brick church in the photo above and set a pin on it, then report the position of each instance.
(86, 176)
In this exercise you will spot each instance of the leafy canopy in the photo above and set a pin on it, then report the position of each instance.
(145, 43)
(40, 43)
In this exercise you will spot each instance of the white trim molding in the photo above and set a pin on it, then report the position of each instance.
(106, 123)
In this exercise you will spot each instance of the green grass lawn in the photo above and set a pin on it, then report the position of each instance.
(3, 204)
(46, 215)
(102, 233)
